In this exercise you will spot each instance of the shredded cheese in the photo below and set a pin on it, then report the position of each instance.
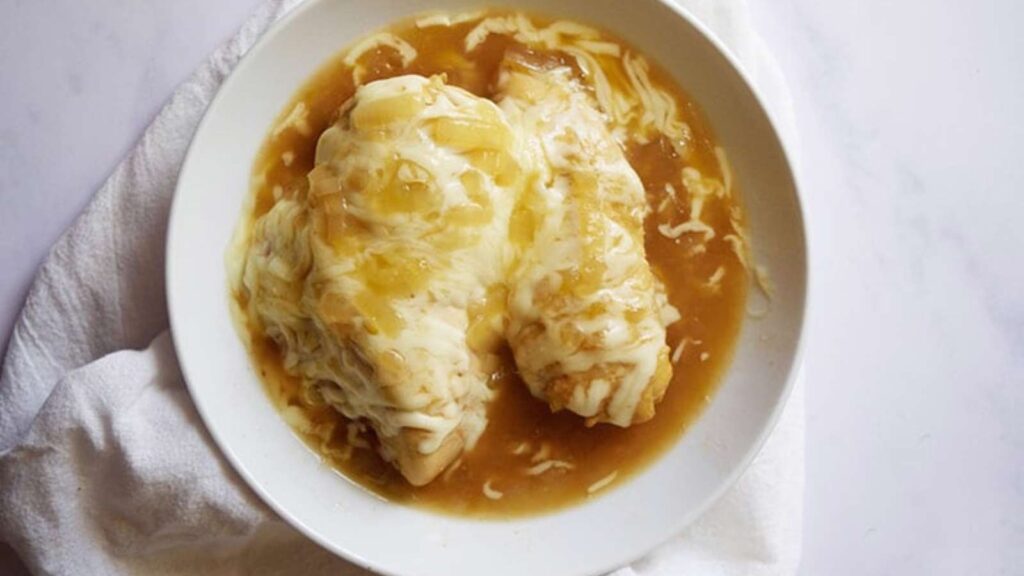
(665, 202)
(542, 454)
(491, 493)
(297, 119)
(600, 47)
(677, 353)
(602, 483)
(715, 281)
(670, 191)
(548, 465)
(725, 168)
(767, 290)
(380, 40)
(560, 28)
(448, 20)
(509, 25)
(660, 113)
(739, 248)
(764, 282)
(617, 109)
(695, 226)
(522, 29)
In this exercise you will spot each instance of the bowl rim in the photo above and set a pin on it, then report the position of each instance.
(625, 557)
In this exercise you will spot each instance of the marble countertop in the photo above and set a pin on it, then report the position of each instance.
(911, 130)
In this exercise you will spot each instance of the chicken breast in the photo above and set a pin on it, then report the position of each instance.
(587, 316)
(407, 215)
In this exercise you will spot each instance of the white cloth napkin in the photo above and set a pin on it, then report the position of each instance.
(105, 467)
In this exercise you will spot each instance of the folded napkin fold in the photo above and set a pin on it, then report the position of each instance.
(105, 466)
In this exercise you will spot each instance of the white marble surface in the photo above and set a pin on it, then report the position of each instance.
(910, 121)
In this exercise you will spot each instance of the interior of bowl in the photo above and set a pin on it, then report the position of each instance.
(395, 539)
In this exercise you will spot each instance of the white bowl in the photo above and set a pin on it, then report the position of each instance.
(602, 534)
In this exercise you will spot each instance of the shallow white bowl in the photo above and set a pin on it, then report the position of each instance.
(606, 532)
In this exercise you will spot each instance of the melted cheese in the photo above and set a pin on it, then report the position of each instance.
(430, 210)
(367, 283)
(586, 325)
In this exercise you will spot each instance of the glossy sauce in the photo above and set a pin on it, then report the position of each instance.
(522, 431)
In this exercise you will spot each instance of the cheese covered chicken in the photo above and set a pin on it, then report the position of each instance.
(587, 315)
(377, 284)
(438, 226)
(457, 268)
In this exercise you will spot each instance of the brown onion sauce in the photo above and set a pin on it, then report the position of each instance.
(711, 317)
